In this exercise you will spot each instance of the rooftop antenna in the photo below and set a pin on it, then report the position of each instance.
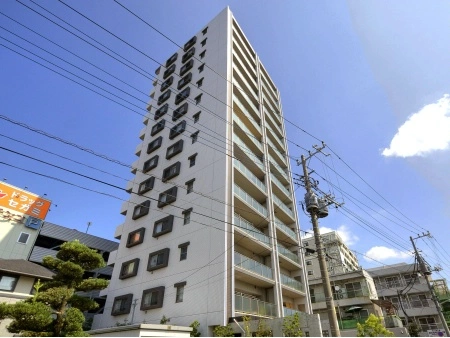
(88, 225)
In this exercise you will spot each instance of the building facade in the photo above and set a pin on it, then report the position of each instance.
(211, 229)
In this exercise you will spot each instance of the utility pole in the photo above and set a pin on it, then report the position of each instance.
(426, 272)
(312, 206)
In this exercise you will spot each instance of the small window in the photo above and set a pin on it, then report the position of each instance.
(183, 95)
(135, 237)
(147, 185)
(192, 160)
(183, 250)
(177, 130)
(187, 216)
(161, 111)
(188, 65)
(129, 268)
(310, 273)
(158, 127)
(201, 68)
(8, 282)
(184, 81)
(152, 298)
(190, 43)
(306, 243)
(150, 164)
(158, 259)
(169, 71)
(164, 97)
(167, 197)
(200, 82)
(190, 186)
(180, 291)
(204, 31)
(23, 238)
(202, 54)
(180, 111)
(203, 43)
(163, 226)
(141, 209)
(171, 171)
(174, 149)
(194, 137)
(122, 305)
(166, 84)
(198, 99)
(308, 262)
(172, 59)
(196, 117)
(155, 144)
(188, 55)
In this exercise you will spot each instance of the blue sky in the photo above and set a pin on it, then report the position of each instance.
(368, 78)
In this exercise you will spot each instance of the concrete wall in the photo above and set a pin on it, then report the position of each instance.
(143, 330)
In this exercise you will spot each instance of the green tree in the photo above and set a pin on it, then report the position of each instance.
(246, 324)
(55, 309)
(291, 326)
(223, 331)
(263, 330)
(373, 327)
(195, 332)
(414, 330)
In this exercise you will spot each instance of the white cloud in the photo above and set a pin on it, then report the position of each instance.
(425, 131)
(347, 236)
(382, 253)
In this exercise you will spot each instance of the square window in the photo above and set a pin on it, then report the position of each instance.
(200, 82)
(183, 250)
(164, 97)
(188, 65)
(158, 259)
(310, 273)
(147, 185)
(152, 298)
(187, 216)
(202, 54)
(192, 160)
(23, 238)
(166, 84)
(203, 43)
(174, 149)
(180, 292)
(150, 164)
(171, 171)
(8, 282)
(129, 268)
(169, 71)
(167, 197)
(155, 144)
(180, 111)
(198, 99)
(194, 137)
(190, 186)
(135, 237)
(122, 305)
(161, 111)
(204, 31)
(172, 59)
(177, 130)
(158, 127)
(196, 117)
(141, 209)
(183, 95)
(184, 80)
(201, 68)
(190, 43)
(188, 55)
(308, 262)
(163, 226)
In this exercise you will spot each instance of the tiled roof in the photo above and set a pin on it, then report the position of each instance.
(25, 268)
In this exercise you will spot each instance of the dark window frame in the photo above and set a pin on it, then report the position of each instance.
(161, 111)
(166, 226)
(203, 43)
(169, 71)
(187, 216)
(146, 185)
(180, 111)
(190, 43)
(155, 144)
(202, 55)
(159, 291)
(201, 68)
(147, 167)
(183, 95)
(166, 84)
(172, 59)
(130, 243)
(168, 172)
(124, 266)
(174, 149)
(192, 159)
(158, 127)
(190, 53)
(179, 286)
(128, 298)
(165, 259)
(20, 236)
(13, 284)
(184, 80)
(205, 30)
(183, 250)
(190, 186)
(164, 97)
(198, 99)
(171, 196)
(186, 67)
(194, 136)
(196, 116)
(200, 82)
(144, 208)
(177, 130)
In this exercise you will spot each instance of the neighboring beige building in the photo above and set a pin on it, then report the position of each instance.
(17, 278)
(211, 229)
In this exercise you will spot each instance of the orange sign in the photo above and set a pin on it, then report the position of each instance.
(23, 201)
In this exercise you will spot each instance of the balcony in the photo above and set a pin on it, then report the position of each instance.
(253, 142)
(249, 65)
(289, 259)
(294, 287)
(345, 297)
(270, 108)
(246, 178)
(124, 208)
(248, 87)
(253, 306)
(386, 289)
(272, 125)
(134, 166)
(118, 232)
(247, 118)
(252, 272)
(249, 207)
(279, 172)
(250, 236)
(130, 186)
(247, 103)
(243, 153)
(142, 133)
(138, 149)
(280, 187)
(284, 233)
(276, 140)
(282, 211)
(279, 157)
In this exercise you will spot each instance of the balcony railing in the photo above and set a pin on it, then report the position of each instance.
(345, 294)
(251, 176)
(251, 265)
(250, 229)
(244, 110)
(281, 171)
(285, 228)
(274, 147)
(283, 206)
(280, 185)
(242, 125)
(254, 306)
(249, 153)
(291, 282)
(250, 200)
(288, 253)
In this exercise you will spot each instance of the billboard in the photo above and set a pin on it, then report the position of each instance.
(22, 201)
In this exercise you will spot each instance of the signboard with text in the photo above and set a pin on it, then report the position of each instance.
(436, 333)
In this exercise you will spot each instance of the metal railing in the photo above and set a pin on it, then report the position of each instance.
(283, 206)
(250, 200)
(254, 306)
(250, 229)
(291, 282)
(285, 228)
(249, 153)
(251, 176)
(249, 264)
(280, 185)
(342, 294)
(244, 110)
(250, 135)
(288, 253)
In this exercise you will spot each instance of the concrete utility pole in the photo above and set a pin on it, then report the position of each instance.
(312, 206)
(426, 272)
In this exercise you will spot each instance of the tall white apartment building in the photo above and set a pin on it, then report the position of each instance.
(211, 229)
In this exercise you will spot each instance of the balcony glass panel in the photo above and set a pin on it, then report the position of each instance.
(257, 161)
(283, 206)
(282, 157)
(249, 264)
(249, 199)
(285, 228)
(254, 306)
(280, 185)
(250, 135)
(291, 282)
(288, 253)
(250, 229)
(238, 164)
